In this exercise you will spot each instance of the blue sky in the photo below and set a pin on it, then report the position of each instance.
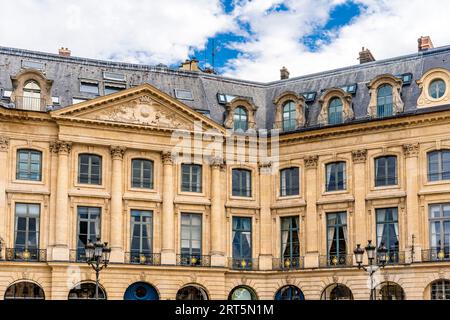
(253, 38)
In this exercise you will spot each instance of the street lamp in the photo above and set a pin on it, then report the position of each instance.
(97, 256)
(380, 255)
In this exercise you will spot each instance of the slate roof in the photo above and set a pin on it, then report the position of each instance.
(66, 73)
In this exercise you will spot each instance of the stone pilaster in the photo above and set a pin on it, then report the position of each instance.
(360, 234)
(168, 224)
(217, 215)
(54, 149)
(116, 223)
(265, 253)
(311, 221)
(4, 147)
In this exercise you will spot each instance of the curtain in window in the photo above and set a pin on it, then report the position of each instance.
(330, 177)
(284, 241)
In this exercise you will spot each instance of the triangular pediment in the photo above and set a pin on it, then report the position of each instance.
(144, 106)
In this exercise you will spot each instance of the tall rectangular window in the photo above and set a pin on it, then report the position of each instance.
(290, 243)
(289, 182)
(88, 229)
(142, 174)
(440, 231)
(90, 169)
(191, 178)
(439, 165)
(386, 171)
(26, 235)
(141, 235)
(337, 238)
(241, 184)
(191, 238)
(387, 232)
(242, 242)
(335, 178)
(29, 165)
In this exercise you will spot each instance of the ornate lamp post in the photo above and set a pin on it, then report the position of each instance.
(380, 255)
(97, 256)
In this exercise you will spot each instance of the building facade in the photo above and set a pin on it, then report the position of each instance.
(87, 151)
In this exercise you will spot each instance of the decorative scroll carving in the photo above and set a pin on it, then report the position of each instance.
(411, 150)
(117, 152)
(359, 156)
(4, 143)
(62, 147)
(216, 162)
(166, 157)
(311, 162)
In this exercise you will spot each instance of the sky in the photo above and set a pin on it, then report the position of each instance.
(249, 39)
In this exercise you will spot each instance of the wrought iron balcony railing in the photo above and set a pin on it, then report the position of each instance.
(292, 263)
(245, 264)
(336, 261)
(386, 110)
(436, 255)
(30, 103)
(26, 255)
(193, 260)
(395, 257)
(148, 259)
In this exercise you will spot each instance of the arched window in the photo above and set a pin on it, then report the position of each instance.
(240, 119)
(437, 89)
(24, 291)
(29, 165)
(384, 101)
(337, 291)
(439, 165)
(32, 96)
(141, 291)
(242, 293)
(390, 291)
(289, 116)
(440, 290)
(289, 293)
(86, 291)
(335, 110)
(192, 292)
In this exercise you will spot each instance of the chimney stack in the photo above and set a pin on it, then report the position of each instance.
(284, 73)
(190, 65)
(365, 56)
(425, 43)
(65, 52)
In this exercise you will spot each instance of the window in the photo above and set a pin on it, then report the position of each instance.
(437, 89)
(24, 290)
(309, 96)
(89, 169)
(191, 178)
(114, 76)
(386, 171)
(387, 232)
(440, 290)
(384, 101)
(439, 165)
(142, 174)
(390, 291)
(31, 96)
(289, 116)
(89, 87)
(337, 238)
(113, 88)
(192, 293)
(191, 239)
(225, 98)
(242, 293)
(88, 229)
(86, 291)
(440, 231)
(183, 94)
(337, 291)
(26, 235)
(141, 291)
(242, 242)
(141, 236)
(335, 176)
(78, 100)
(289, 292)
(241, 184)
(289, 182)
(29, 165)
(335, 110)
(240, 119)
(290, 244)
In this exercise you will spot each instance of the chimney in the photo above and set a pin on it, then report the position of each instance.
(365, 56)
(65, 52)
(425, 43)
(284, 73)
(190, 65)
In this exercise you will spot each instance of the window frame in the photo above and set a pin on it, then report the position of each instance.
(29, 164)
(242, 233)
(248, 192)
(440, 163)
(386, 171)
(89, 172)
(291, 232)
(331, 115)
(191, 186)
(191, 228)
(391, 253)
(287, 191)
(27, 217)
(289, 123)
(142, 178)
(336, 238)
(141, 224)
(89, 211)
(384, 105)
(336, 172)
(241, 118)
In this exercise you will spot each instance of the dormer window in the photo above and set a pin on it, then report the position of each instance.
(289, 113)
(385, 96)
(31, 96)
(31, 90)
(384, 101)
(240, 119)
(240, 115)
(336, 107)
(335, 110)
(289, 116)
(437, 88)
(434, 86)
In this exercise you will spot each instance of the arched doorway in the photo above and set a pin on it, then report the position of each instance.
(242, 293)
(289, 293)
(337, 291)
(86, 291)
(440, 290)
(390, 291)
(192, 292)
(141, 291)
(24, 290)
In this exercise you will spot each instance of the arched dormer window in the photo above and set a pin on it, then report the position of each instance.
(32, 96)
(435, 86)
(240, 115)
(385, 96)
(289, 113)
(31, 90)
(336, 107)
(240, 119)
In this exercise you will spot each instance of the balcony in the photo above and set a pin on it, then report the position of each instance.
(30, 103)
(188, 260)
(25, 255)
(286, 264)
(147, 259)
(395, 257)
(244, 264)
(336, 261)
(436, 255)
